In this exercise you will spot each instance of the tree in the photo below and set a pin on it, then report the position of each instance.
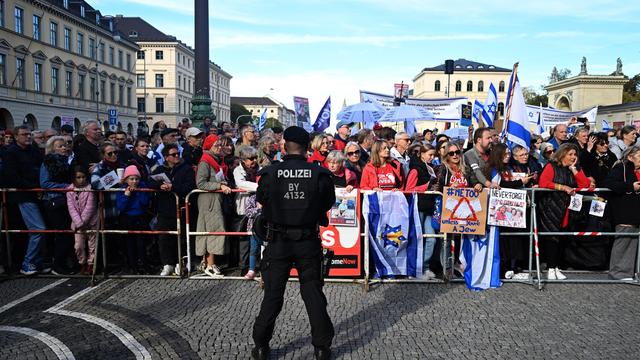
(272, 122)
(237, 110)
(564, 74)
(532, 97)
(631, 90)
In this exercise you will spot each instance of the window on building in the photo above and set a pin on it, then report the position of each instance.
(19, 17)
(140, 80)
(68, 83)
(82, 13)
(111, 55)
(159, 80)
(141, 105)
(53, 34)
(101, 52)
(469, 85)
(160, 105)
(54, 81)
(500, 108)
(37, 24)
(3, 69)
(120, 59)
(501, 86)
(159, 55)
(189, 87)
(179, 78)
(112, 93)
(179, 106)
(184, 83)
(92, 46)
(140, 54)
(20, 73)
(129, 62)
(65, 3)
(129, 92)
(458, 85)
(92, 89)
(67, 39)
(120, 95)
(436, 87)
(81, 79)
(480, 86)
(80, 48)
(37, 77)
(103, 90)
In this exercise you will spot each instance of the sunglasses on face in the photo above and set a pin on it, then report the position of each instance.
(352, 153)
(452, 153)
(549, 152)
(110, 153)
(253, 158)
(173, 154)
(407, 140)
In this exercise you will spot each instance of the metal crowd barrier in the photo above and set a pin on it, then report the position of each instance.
(100, 230)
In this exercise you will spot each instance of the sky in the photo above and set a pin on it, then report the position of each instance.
(321, 48)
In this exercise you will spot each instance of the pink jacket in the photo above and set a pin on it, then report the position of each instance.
(82, 209)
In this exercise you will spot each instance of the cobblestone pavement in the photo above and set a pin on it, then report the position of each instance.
(211, 319)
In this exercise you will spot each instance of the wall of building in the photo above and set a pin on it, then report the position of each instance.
(41, 102)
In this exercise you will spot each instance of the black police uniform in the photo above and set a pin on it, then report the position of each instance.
(296, 196)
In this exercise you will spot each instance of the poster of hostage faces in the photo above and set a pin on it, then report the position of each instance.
(508, 208)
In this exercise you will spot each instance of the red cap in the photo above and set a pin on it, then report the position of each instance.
(209, 141)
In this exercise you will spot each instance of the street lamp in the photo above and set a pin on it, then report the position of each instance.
(245, 115)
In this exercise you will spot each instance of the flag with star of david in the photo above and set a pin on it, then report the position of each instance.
(395, 233)
(480, 256)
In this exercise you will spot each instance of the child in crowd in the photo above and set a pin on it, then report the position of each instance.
(84, 216)
(252, 210)
(133, 206)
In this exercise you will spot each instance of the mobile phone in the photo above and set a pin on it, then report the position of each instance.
(582, 120)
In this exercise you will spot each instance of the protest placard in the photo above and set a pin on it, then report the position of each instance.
(508, 207)
(464, 211)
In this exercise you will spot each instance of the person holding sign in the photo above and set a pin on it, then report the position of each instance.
(562, 175)
(382, 172)
(453, 171)
(513, 249)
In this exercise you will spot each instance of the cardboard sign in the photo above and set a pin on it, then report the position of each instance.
(464, 211)
(508, 207)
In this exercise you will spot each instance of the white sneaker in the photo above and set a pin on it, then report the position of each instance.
(213, 271)
(428, 275)
(521, 276)
(559, 275)
(167, 270)
(250, 275)
(509, 274)
(623, 279)
(177, 269)
(551, 274)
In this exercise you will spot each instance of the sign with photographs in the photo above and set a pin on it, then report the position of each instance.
(508, 207)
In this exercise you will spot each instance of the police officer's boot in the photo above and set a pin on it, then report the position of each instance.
(260, 353)
(322, 353)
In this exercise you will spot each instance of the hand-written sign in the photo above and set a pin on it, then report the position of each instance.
(464, 211)
(508, 207)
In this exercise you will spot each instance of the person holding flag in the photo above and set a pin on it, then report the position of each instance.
(516, 123)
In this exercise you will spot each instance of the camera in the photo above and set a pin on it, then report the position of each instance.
(582, 120)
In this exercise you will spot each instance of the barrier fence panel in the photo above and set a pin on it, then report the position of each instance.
(100, 230)
(189, 232)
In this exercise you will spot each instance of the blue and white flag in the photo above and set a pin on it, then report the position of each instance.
(605, 125)
(540, 123)
(263, 120)
(480, 256)
(478, 108)
(516, 119)
(490, 105)
(395, 233)
(324, 117)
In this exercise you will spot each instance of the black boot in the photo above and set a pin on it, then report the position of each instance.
(260, 353)
(322, 353)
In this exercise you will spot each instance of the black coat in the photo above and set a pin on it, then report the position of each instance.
(553, 205)
(86, 153)
(21, 170)
(625, 202)
(183, 181)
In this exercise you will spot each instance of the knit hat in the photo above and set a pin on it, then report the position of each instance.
(209, 141)
(131, 170)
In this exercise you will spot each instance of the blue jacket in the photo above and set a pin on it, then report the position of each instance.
(134, 205)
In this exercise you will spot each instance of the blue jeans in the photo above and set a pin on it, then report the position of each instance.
(429, 242)
(32, 218)
(254, 251)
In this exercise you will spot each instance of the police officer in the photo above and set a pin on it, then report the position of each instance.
(295, 196)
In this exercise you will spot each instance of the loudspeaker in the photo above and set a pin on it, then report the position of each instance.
(448, 66)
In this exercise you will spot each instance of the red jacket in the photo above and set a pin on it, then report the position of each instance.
(318, 158)
(386, 177)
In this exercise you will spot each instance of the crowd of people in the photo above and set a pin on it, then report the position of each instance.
(223, 157)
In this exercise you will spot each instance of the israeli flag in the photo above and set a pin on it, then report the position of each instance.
(605, 125)
(263, 120)
(478, 109)
(480, 256)
(395, 233)
(490, 106)
(324, 117)
(516, 120)
(540, 123)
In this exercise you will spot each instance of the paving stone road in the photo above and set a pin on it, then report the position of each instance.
(211, 319)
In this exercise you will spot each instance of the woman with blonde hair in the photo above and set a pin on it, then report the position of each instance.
(319, 150)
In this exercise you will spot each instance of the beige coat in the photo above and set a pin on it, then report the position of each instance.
(210, 216)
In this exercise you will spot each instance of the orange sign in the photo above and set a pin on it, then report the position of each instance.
(464, 211)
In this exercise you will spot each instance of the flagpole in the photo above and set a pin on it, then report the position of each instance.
(513, 87)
